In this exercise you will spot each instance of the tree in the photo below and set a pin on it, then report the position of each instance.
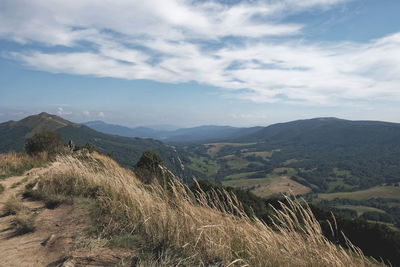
(150, 167)
(50, 142)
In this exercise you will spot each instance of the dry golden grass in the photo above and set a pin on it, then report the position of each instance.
(14, 205)
(24, 221)
(201, 229)
(16, 163)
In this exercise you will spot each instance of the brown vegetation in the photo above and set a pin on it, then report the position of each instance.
(201, 230)
(12, 163)
(279, 185)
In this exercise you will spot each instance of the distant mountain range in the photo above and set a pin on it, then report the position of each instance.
(126, 150)
(310, 141)
(209, 133)
(328, 131)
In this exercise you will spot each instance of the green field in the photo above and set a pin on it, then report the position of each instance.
(284, 171)
(390, 192)
(236, 176)
(359, 209)
(214, 148)
(236, 162)
(338, 182)
(264, 154)
(206, 166)
(247, 182)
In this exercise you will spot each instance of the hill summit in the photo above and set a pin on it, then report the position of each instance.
(42, 122)
(126, 150)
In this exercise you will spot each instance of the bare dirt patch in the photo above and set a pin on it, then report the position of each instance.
(52, 242)
(278, 186)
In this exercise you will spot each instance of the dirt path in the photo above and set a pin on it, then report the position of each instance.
(52, 242)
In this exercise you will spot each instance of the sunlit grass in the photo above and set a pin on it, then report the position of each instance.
(12, 163)
(201, 228)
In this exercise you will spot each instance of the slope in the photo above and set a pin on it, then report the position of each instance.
(126, 150)
(187, 228)
(328, 131)
(14, 133)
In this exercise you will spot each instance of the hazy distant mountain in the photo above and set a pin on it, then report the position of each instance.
(126, 150)
(142, 132)
(198, 134)
(209, 133)
(330, 131)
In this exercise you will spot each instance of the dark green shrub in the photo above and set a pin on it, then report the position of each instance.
(149, 167)
(50, 142)
(89, 146)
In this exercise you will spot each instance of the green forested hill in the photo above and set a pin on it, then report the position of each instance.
(325, 154)
(127, 151)
(328, 132)
(318, 157)
(14, 133)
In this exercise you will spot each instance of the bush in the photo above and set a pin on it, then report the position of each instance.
(50, 142)
(89, 146)
(149, 167)
(24, 223)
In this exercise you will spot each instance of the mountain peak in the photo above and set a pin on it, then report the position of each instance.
(43, 114)
(43, 122)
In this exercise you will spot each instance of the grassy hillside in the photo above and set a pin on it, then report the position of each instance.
(126, 150)
(197, 229)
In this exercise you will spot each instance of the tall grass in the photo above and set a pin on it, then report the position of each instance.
(200, 227)
(14, 163)
(24, 220)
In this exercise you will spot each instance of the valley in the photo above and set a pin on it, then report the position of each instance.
(347, 167)
(351, 167)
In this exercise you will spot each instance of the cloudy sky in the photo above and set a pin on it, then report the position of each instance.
(190, 63)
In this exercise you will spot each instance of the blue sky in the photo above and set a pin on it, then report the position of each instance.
(189, 63)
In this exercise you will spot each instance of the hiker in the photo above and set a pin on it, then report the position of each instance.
(71, 145)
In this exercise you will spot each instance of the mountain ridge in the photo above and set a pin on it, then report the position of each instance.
(126, 150)
(203, 133)
(219, 133)
(314, 130)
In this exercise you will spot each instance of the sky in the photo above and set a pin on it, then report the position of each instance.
(190, 63)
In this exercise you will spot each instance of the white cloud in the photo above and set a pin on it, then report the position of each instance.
(61, 111)
(86, 113)
(101, 114)
(177, 41)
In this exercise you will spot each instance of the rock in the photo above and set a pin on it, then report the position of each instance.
(68, 263)
(48, 240)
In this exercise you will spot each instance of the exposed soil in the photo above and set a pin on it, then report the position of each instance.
(52, 242)
(279, 186)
